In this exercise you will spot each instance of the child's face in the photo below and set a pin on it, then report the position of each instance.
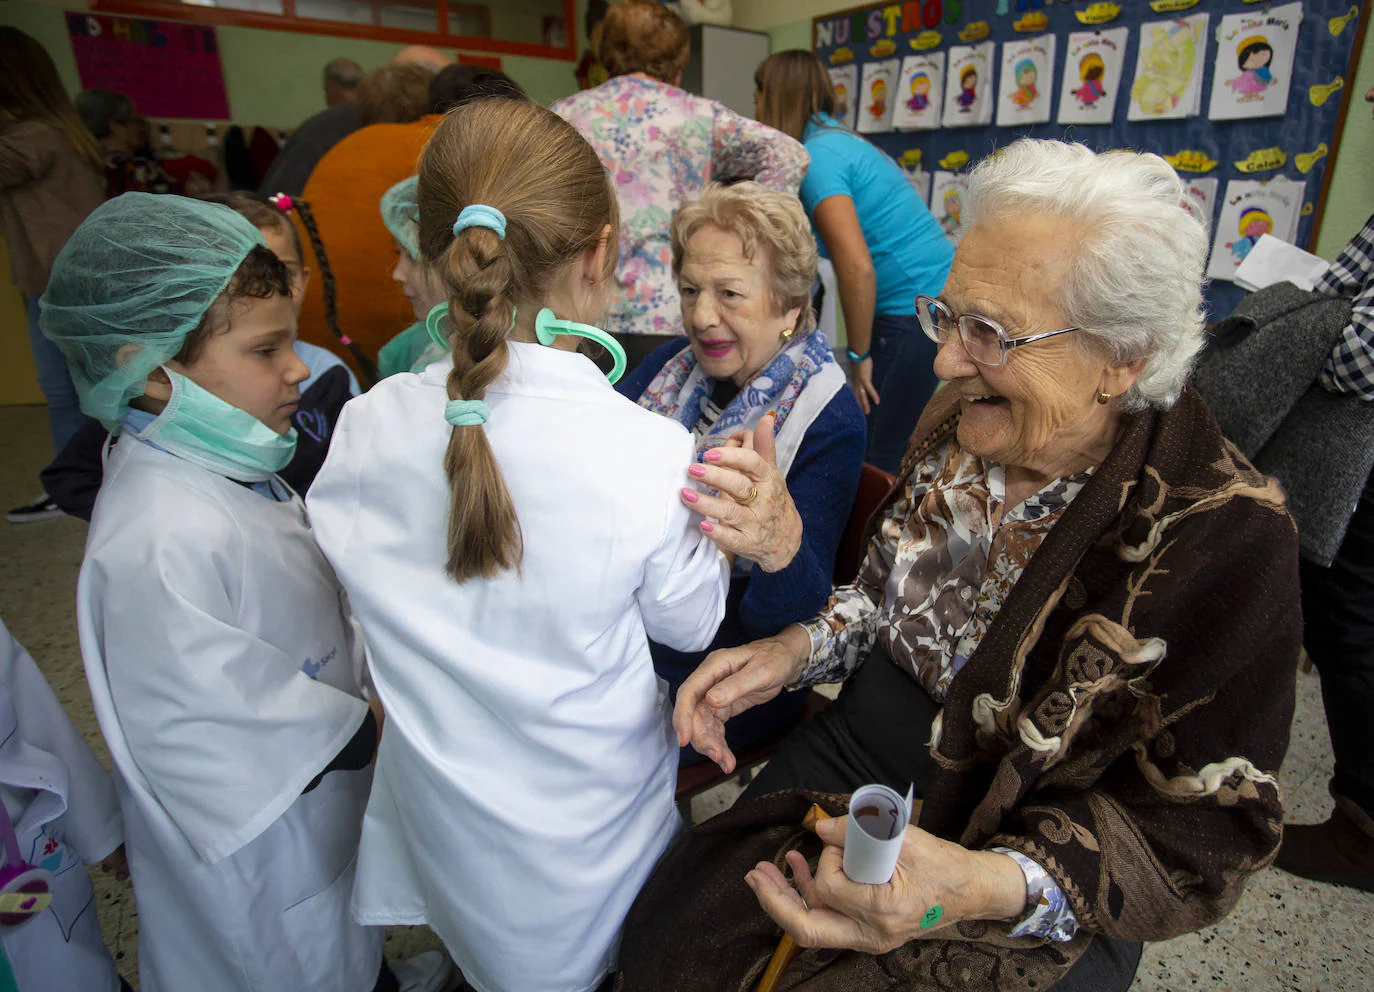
(251, 364)
(920, 86)
(969, 81)
(281, 244)
(415, 283)
(1258, 58)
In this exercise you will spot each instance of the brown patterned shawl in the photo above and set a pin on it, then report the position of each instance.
(1122, 722)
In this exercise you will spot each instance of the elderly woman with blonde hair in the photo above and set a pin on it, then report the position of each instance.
(753, 362)
(662, 146)
(1075, 634)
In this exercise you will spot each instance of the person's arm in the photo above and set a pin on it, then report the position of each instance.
(23, 157)
(837, 222)
(822, 480)
(745, 149)
(1350, 366)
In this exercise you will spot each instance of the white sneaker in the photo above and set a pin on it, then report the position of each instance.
(427, 972)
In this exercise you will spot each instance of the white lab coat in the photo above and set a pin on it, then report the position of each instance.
(525, 783)
(65, 815)
(226, 675)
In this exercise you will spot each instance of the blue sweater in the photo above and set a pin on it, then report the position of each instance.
(823, 481)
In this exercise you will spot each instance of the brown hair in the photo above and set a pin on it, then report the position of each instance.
(643, 36)
(793, 87)
(31, 90)
(394, 94)
(260, 212)
(771, 226)
(260, 276)
(531, 165)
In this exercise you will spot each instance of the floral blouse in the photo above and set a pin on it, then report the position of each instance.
(662, 145)
(943, 562)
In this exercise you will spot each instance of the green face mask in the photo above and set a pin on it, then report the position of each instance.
(203, 429)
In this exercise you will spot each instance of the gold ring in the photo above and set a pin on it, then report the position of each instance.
(753, 495)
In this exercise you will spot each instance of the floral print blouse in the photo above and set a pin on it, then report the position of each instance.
(662, 145)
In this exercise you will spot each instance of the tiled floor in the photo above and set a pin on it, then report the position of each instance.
(1287, 935)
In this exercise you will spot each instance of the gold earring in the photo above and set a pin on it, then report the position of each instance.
(786, 334)
(1104, 398)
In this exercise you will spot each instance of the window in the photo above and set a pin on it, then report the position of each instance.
(540, 28)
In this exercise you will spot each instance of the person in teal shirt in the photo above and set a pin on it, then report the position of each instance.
(885, 244)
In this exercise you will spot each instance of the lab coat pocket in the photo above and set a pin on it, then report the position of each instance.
(313, 927)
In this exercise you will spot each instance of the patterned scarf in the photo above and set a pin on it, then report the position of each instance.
(682, 387)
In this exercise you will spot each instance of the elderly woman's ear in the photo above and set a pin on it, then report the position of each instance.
(1117, 380)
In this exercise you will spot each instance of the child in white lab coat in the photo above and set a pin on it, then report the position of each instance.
(62, 807)
(510, 532)
(224, 669)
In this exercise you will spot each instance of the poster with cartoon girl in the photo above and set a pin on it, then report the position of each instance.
(1202, 198)
(968, 84)
(1027, 81)
(1092, 75)
(1249, 210)
(1254, 67)
(947, 192)
(845, 81)
(877, 86)
(920, 92)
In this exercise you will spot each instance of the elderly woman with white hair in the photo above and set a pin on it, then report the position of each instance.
(1075, 634)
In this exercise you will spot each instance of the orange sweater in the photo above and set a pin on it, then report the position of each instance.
(345, 194)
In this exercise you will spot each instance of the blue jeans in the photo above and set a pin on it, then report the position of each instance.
(904, 374)
(64, 410)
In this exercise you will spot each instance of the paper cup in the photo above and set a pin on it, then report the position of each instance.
(873, 838)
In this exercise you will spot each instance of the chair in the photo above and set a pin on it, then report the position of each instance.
(874, 485)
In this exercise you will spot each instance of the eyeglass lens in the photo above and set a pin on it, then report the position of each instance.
(978, 336)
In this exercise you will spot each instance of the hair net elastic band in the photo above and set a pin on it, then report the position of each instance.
(466, 413)
(481, 215)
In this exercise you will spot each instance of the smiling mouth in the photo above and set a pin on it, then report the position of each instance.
(985, 401)
(717, 349)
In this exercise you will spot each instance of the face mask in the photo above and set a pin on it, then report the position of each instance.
(203, 429)
(546, 328)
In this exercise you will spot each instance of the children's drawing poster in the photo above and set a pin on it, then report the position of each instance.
(1027, 81)
(968, 87)
(168, 69)
(1255, 63)
(1168, 69)
(844, 79)
(1092, 75)
(920, 182)
(947, 192)
(1202, 199)
(1249, 210)
(877, 91)
(920, 92)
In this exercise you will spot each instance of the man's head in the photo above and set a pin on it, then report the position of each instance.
(341, 78)
(459, 84)
(431, 58)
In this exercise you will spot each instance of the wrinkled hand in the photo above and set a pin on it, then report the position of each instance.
(861, 378)
(828, 910)
(765, 529)
(731, 681)
(117, 864)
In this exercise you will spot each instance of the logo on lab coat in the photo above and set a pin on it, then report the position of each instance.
(313, 668)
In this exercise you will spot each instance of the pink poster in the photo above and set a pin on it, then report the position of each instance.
(167, 68)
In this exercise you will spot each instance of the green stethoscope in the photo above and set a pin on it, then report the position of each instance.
(547, 327)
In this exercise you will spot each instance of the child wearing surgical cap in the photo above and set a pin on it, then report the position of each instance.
(412, 350)
(226, 674)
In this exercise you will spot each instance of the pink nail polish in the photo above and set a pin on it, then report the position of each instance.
(707, 526)
(690, 495)
(713, 455)
(697, 470)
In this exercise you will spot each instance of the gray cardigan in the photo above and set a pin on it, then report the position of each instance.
(1259, 377)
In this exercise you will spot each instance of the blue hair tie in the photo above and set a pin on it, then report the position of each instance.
(481, 215)
(466, 413)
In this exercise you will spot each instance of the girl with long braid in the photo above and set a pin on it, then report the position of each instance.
(510, 532)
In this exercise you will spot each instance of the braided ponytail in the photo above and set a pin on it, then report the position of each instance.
(331, 292)
(533, 167)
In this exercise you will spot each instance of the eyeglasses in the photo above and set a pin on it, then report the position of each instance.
(984, 340)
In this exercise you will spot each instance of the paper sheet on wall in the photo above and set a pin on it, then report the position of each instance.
(1168, 69)
(920, 92)
(1254, 67)
(1202, 200)
(920, 182)
(878, 89)
(1272, 260)
(1093, 61)
(968, 85)
(1249, 210)
(1027, 83)
(845, 81)
(947, 191)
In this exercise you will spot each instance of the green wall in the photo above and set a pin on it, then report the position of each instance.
(273, 77)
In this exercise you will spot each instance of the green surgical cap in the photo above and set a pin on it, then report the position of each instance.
(133, 280)
(401, 214)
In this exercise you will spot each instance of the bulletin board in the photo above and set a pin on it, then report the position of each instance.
(1299, 145)
(167, 68)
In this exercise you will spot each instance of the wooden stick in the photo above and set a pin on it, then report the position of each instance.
(787, 947)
